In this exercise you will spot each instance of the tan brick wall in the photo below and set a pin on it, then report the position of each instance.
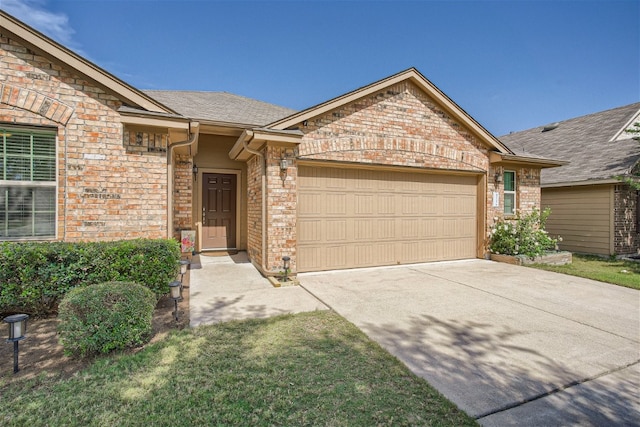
(626, 233)
(182, 194)
(254, 209)
(282, 199)
(104, 192)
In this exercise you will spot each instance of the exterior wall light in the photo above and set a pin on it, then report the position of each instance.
(174, 293)
(284, 164)
(17, 329)
(194, 169)
(498, 177)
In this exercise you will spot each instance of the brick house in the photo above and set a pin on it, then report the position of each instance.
(592, 208)
(391, 173)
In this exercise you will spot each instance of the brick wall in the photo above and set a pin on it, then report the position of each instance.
(254, 209)
(282, 199)
(627, 235)
(104, 192)
(182, 194)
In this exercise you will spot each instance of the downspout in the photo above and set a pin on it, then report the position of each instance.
(249, 135)
(193, 137)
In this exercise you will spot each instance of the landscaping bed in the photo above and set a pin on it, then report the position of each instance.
(551, 258)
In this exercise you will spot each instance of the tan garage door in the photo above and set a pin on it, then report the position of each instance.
(351, 218)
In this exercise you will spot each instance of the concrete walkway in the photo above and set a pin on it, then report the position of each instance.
(509, 345)
(224, 288)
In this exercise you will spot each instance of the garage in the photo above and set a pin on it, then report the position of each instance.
(358, 217)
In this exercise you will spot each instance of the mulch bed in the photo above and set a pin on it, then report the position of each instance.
(40, 352)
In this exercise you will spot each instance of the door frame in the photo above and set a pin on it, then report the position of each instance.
(197, 214)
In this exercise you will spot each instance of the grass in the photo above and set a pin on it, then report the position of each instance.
(306, 369)
(618, 272)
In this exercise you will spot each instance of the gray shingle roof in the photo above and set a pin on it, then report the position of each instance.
(585, 143)
(220, 107)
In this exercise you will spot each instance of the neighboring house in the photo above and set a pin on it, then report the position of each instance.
(391, 173)
(591, 208)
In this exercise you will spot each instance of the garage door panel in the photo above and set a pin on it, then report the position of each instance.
(359, 218)
(335, 230)
(310, 231)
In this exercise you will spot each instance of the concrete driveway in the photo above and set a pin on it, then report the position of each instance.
(509, 345)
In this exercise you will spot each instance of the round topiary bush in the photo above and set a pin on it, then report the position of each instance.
(109, 316)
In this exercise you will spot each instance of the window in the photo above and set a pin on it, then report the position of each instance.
(27, 183)
(509, 193)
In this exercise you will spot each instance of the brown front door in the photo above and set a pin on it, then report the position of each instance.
(218, 211)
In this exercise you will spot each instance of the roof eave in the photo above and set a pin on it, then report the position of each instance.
(498, 158)
(601, 181)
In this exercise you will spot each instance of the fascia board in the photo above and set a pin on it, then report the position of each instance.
(581, 183)
(499, 158)
(154, 122)
(55, 51)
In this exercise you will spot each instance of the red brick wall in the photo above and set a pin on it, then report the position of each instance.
(627, 235)
(104, 192)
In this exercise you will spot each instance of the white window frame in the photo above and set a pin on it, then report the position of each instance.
(31, 130)
(510, 192)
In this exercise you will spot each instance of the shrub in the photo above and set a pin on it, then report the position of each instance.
(105, 317)
(34, 276)
(523, 235)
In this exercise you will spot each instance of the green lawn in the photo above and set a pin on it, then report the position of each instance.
(307, 369)
(618, 272)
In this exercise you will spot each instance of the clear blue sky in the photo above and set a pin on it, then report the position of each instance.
(512, 65)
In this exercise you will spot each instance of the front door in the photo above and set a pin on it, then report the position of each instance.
(218, 211)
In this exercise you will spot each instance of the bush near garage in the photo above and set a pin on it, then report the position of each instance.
(34, 276)
(523, 235)
(101, 318)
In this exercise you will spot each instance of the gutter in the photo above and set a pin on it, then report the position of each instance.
(193, 133)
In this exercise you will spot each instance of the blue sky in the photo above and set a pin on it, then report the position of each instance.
(511, 64)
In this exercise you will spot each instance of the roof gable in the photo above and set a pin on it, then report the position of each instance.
(595, 145)
(417, 79)
(47, 47)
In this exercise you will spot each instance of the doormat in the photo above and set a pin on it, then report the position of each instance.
(219, 253)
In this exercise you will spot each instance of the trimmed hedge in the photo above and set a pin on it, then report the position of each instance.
(99, 319)
(34, 276)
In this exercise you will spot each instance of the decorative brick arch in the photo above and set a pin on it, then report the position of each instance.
(38, 103)
(396, 151)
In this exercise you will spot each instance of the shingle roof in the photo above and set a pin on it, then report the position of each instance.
(220, 107)
(585, 142)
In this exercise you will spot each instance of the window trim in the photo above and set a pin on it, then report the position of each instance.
(514, 192)
(47, 130)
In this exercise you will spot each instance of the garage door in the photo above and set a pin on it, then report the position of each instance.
(350, 218)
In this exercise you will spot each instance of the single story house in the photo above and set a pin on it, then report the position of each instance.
(391, 173)
(592, 208)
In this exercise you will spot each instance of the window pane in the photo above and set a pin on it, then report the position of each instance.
(27, 212)
(509, 181)
(509, 203)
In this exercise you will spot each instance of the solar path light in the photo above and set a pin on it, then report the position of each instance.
(17, 329)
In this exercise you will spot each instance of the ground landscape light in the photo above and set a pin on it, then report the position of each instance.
(174, 293)
(285, 266)
(17, 329)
